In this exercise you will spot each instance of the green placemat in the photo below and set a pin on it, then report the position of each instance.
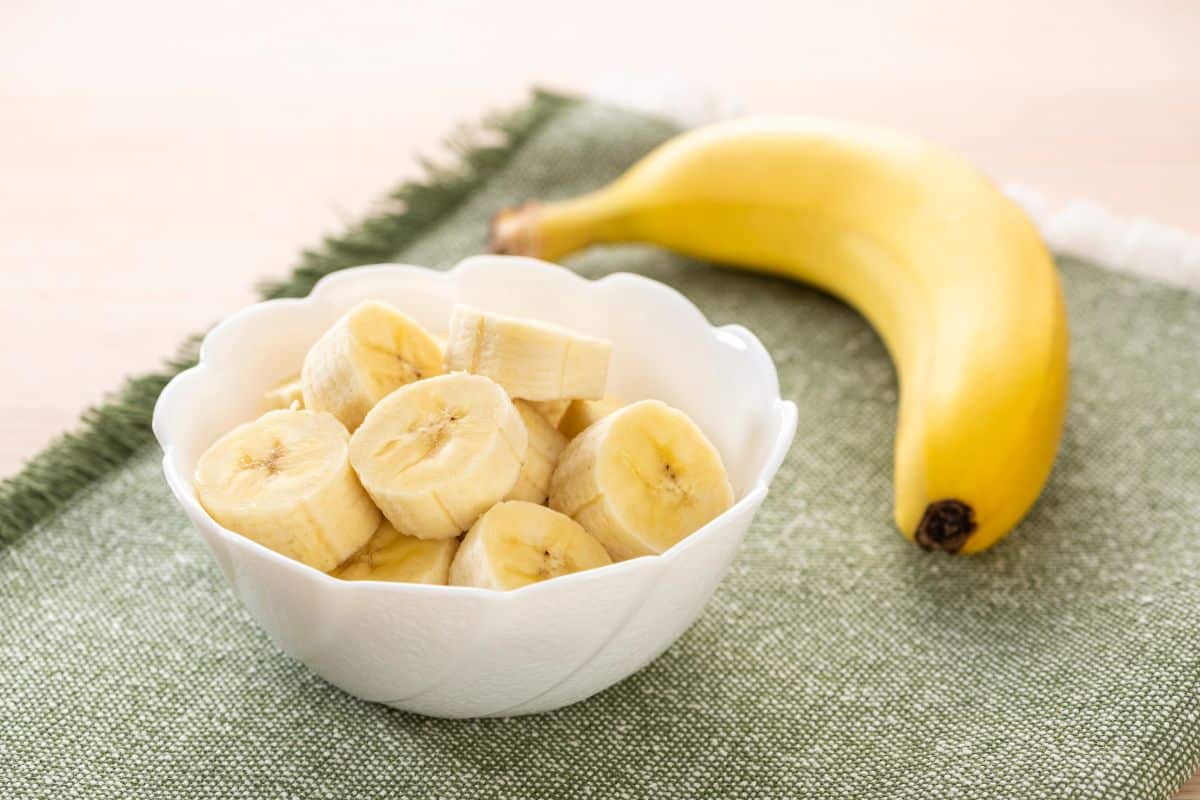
(836, 660)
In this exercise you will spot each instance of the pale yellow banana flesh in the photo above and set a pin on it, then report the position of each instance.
(582, 414)
(552, 410)
(287, 395)
(531, 360)
(641, 479)
(285, 481)
(437, 453)
(517, 543)
(950, 272)
(371, 351)
(392, 556)
(541, 456)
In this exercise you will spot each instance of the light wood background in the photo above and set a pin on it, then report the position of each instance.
(158, 158)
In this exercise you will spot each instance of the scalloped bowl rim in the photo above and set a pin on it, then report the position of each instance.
(733, 335)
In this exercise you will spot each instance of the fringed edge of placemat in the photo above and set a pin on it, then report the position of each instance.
(111, 433)
(1139, 246)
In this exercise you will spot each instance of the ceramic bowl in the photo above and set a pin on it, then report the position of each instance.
(463, 652)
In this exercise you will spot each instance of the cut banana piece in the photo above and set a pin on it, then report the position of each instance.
(545, 446)
(517, 543)
(284, 480)
(286, 395)
(531, 360)
(437, 453)
(370, 352)
(582, 414)
(552, 410)
(641, 479)
(392, 556)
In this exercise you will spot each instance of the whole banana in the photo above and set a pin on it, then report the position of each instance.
(949, 271)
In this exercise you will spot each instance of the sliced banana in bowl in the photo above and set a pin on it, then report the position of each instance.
(287, 395)
(579, 415)
(532, 360)
(541, 457)
(552, 410)
(437, 453)
(641, 479)
(371, 351)
(285, 481)
(517, 543)
(393, 556)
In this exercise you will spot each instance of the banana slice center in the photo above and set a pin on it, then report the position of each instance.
(421, 441)
(536, 561)
(271, 462)
(672, 483)
(553, 565)
(666, 480)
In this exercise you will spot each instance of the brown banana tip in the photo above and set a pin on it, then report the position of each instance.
(514, 231)
(946, 525)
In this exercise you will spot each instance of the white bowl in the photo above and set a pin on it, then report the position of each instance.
(451, 651)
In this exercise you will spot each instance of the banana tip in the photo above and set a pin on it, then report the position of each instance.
(946, 525)
(514, 231)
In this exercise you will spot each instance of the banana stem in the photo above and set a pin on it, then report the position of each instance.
(554, 230)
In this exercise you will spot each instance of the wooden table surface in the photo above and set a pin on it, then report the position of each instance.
(157, 159)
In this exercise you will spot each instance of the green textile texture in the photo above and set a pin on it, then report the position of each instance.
(836, 660)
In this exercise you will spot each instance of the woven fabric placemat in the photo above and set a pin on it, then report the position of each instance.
(835, 661)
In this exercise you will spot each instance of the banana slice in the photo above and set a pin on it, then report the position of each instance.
(641, 479)
(286, 395)
(284, 480)
(582, 414)
(531, 360)
(545, 446)
(370, 352)
(392, 556)
(437, 453)
(517, 543)
(552, 410)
